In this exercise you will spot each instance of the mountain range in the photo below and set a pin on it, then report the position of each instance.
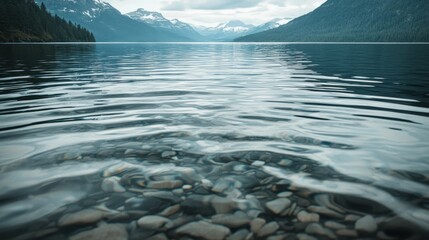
(355, 21)
(109, 25)
(236, 28)
(158, 21)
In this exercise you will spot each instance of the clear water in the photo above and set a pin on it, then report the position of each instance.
(348, 124)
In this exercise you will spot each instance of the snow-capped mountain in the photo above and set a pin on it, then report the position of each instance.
(234, 29)
(157, 20)
(106, 22)
(225, 31)
(275, 23)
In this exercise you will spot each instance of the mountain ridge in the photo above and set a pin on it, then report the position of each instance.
(157, 20)
(107, 23)
(354, 21)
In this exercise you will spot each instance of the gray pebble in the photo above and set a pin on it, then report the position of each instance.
(268, 229)
(279, 205)
(366, 224)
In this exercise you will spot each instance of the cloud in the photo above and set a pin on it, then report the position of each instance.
(178, 5)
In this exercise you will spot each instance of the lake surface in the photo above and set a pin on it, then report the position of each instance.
(322, 140)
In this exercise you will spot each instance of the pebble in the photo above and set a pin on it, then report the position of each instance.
(315, 228)
(256, 224)
(325, 211)
(239, 235)
(165, 184)
(352, 218)
(206, 183)
(152, 222)
(118, 169)
(88, 216)
(285, 162)
(103, 232)
(334, 225)
(279, 205)
(268, 229)
(112, 184)
(231, 220)
(366, 224)
(187, 187)
(347, 233)
(170, 210)
(204, 230)
(168, 154)
(284, 194)
(304, 216)
(258, 163)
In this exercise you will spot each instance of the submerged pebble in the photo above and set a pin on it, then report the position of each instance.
(204, 230)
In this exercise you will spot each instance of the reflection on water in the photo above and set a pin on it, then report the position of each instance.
(341, 131)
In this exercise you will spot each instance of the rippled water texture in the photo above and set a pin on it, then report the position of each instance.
(343, 127)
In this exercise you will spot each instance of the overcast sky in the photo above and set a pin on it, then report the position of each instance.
(213, 12)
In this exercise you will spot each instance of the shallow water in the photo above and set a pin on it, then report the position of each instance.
(340, 126)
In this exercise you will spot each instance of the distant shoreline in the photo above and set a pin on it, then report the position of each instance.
(219, 43)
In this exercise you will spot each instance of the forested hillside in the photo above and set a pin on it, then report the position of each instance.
(24, 21)
(355, 21)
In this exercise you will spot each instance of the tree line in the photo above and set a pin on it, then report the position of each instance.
(25, 21)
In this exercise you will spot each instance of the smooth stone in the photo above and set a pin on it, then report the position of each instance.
(239, 235)
(256, 224)
(152, 222)
(304, 216)
(206, 183)
(366, 224)
(88, 216)
(118, 169)
(112, 184)
(168, 154)
(347, 233)
(285, 162)
(187, 187)
(231, 220)
(268, 229)
(165, 184)
(325, 211)
(284, 194)
(204, 230)
(352, 218)
(303, 236)
(334, 225)
(103, 232)
(170, 210)
(315, 228)
(279, 205)
(258, 163)
(180, 221)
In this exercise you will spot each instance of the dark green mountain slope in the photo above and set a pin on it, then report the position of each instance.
(23, 20)
(355, 21)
